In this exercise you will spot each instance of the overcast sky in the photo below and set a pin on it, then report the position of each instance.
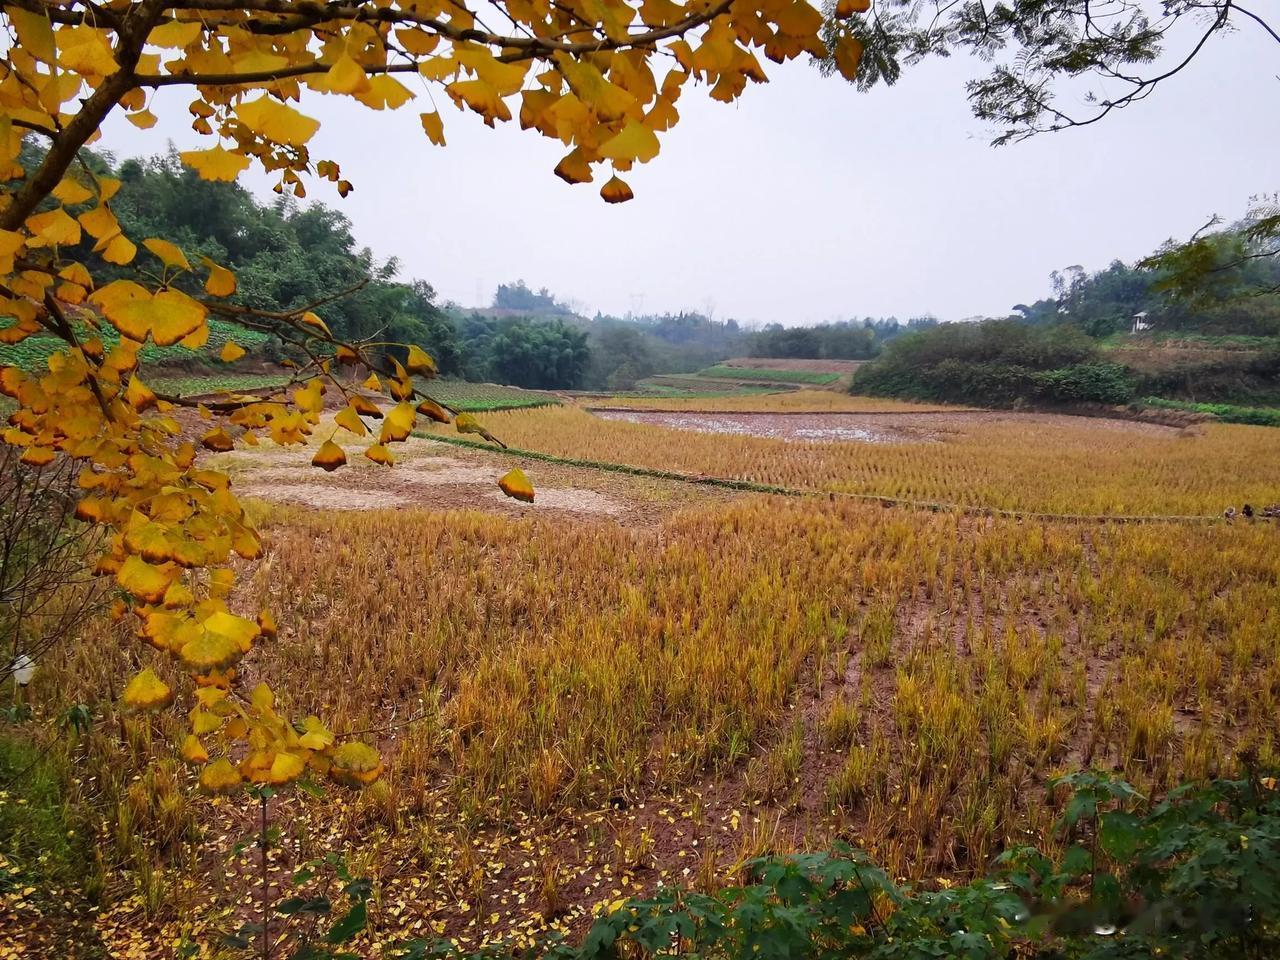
(804, 202)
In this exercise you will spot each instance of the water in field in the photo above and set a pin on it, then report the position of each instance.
(821, 427)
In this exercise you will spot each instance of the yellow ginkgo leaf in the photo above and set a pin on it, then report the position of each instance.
(138, 395)
(52, 228)
(277, 121)
(210, 651)
(100, 223)
(420, 362)
(466, 423)
(433, 126)
(215, 163)
(516, 485)
(848, 54)
(346, 76)
(231, 352)
(350, 420)
(380, 454)
(196, 339)
(847, 8)
(193, 750)
(221, 281)
(241, 631)
(220, 776)
(429, 408)
(356, 764)
(398, 424)
(267, 624)
(313, 320)
(286, 767)
(635, 142)
(217, 440)
(175, 34)
(616, 191)
(168, 252)
(150, 542)
(143, 580)
(168, 316)
(38, 456)
(118, 249)
(384, 92)
(330, 456)
(316, 735)
(365, 407)
(71, 191)
(146, 691)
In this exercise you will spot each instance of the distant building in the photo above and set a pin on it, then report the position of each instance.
(1140, 322)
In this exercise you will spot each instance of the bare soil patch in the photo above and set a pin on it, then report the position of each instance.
(426, 474)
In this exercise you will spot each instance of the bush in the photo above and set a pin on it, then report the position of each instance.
(996, 363)
(1253, 378)
(1257, 416)
(1086, 383)
(1194, 876)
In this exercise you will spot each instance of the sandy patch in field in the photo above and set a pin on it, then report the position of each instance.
(420, 478)
(570, 499)
(325, 496)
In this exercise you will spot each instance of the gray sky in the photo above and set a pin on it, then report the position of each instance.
(804, 202)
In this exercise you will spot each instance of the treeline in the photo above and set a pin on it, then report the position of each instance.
(1008, 362)
(1207, 315)
(285, 256)
(1242, 299)
(998, 363)
(843, 340)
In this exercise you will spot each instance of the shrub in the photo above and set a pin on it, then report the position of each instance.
(1257, 416)
(1086, 383)
(1196, 875)
(997, 363)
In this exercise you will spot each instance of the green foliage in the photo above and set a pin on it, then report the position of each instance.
(1085, 383)
(318, 926)
(519, 298)
(195, 384)
(1104, 57)
(997, 363)
(772, 376)
(481, 397)
(1196, 875)
(39, 840)
(284, 256)
(845, 340)
(1257, 416)
(32, 354)
(1240, 377)
(625, 351)
(539, 354)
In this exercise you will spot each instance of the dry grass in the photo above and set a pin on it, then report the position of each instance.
(1058, 465)
(572, 710)
(766, 673)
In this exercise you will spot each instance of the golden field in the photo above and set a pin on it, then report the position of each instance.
(793, 401)
(1054, 465)
(574, 708)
